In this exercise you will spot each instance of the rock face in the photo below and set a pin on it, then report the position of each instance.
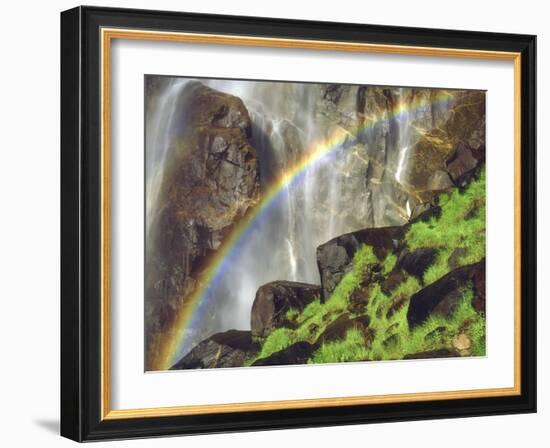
(442, 296)
(416, 262)
(228, 349)
(274, 299)
(445, 141)
(210, 181)
(445, 153)
(335, 257)
(463, 163)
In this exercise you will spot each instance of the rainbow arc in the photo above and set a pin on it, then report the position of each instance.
(210, 279)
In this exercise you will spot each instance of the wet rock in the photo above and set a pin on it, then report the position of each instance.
(274, 299)
(297, 353)
(478, 280)
(442, 296)
(461, 163)
(446, 154)
(440, 180)
(434, 133)
(417, 261)
(392, 281)
(229, 349)
(467, 122)
(424, 212)
(210, 181)
(335, 257)
(426, 169)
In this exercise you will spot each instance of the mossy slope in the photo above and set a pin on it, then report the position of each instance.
(457, 235)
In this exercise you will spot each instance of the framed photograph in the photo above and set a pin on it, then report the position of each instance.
(274, 224)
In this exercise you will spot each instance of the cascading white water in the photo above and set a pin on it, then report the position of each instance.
(401, 162)
(403, 121)
(285, 127)
(160, 132)
(292, 260)
(284, 248)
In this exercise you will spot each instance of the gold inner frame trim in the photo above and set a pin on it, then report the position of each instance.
(107, 35)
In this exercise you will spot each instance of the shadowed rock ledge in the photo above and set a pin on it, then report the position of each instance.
(228, 349)
(274, 299)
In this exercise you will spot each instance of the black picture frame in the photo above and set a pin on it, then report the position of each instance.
(81, 380)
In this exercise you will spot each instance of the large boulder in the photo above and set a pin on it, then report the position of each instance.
(335, 257)
(442, 296)
(462, 164)
(210, 179)
(416, 262)
(229, 349)
(274, 299)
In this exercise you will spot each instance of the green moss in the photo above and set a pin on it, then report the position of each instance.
(363, 259)
(405, 341)
(461, 225)
(407, 288)
(310, 310)
(389, 263)
(314, 319)
(350, 348)
(438, 269)
(476, 331)
(278, 340)
(317, 316)
(292, 314)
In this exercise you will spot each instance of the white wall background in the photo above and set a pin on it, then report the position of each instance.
(29, 236)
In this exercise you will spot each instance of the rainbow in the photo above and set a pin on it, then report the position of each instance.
(320, 152)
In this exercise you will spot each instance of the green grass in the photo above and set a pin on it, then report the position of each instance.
(278, 340)
(363, 259)
(438, 269)
(351, 348)
(317, 316)
(292, 314)
(393, 338)
(461, 225)
(400, 341)
(389, 263)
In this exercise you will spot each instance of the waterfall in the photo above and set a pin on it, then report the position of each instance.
(160, 131)
(286, 121)
(292, 260)
(401, 162)
(284, 248)
(404, 126)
